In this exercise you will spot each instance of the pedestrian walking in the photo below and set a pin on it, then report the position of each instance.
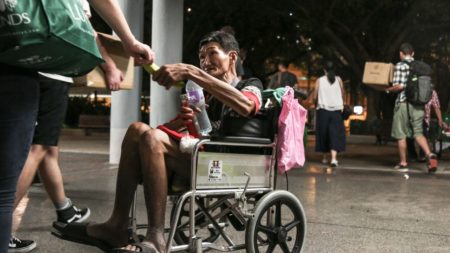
(408, 118)
(329, 100)
(435, 104)
(19, 100)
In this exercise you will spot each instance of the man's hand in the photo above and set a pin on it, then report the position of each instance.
(187, 113)
(113, 78)
(141, 52)
(170, 74)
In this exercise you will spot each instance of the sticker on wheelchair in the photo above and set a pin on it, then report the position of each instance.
(215, 171)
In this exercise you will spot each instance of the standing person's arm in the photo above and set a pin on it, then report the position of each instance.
(110, 11)
(437, 109)
(113, 75)
(342, 89)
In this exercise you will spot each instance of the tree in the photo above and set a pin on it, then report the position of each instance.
(349, 31)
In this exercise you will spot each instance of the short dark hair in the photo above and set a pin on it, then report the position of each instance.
(225, 40)
(283, 63)
(406, 48)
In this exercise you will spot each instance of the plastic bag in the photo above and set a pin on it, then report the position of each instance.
(52, 36)
(291, 127)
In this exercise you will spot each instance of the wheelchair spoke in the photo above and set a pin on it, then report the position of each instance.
(271, 247)
(278, 214)
(292, 225)
(266, 230)
(284, 247)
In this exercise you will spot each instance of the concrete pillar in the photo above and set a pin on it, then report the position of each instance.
(125, 106)
(167, 42)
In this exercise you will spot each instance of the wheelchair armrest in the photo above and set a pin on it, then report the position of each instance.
(239, 139)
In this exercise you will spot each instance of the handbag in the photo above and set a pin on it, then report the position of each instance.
(52, 36)
(346, 112)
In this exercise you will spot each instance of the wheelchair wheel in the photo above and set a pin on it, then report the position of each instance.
(203, 229)
(278, 224)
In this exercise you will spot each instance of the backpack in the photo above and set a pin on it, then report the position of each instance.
(419, 87)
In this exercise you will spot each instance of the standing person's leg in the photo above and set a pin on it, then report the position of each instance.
(336, 130)
(411, 148)
(400, 131)
(416, 117)
(44, 154)
(35, 157)
(322, 143)
(18, 108)
(402, 151)
(51, 175)
(426, 133)
(52, 111)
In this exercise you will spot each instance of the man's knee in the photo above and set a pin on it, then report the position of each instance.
(135, 130)
(152, 141)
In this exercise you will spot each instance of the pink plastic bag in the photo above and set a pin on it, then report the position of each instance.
(291, 127)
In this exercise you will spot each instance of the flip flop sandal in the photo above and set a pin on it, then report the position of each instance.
(76, 232)
(143, 248)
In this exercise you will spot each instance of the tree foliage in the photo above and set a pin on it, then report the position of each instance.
(350, 32)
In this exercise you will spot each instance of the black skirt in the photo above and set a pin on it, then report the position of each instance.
(330, 131)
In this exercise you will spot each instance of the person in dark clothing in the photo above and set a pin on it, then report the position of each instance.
(19, 100)
(283, 77)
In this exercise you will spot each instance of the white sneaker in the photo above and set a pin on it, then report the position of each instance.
(334, 164)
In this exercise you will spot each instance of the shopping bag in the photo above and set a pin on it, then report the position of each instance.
(291, 127)
(52, 36)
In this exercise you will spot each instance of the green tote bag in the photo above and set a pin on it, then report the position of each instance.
(52, 36)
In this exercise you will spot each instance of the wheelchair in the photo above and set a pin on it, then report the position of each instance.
(232, 202)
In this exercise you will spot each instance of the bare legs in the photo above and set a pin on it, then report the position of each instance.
(421, 140)
(145, 153)
(44, 158)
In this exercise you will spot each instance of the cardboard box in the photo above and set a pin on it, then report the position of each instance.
(378, 75)
(96, 78)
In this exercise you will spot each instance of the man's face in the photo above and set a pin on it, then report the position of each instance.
(214, 60)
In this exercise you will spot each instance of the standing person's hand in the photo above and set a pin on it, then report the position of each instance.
(113, 78)
(141, 52)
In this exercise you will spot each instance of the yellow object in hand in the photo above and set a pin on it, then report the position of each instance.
(152, 68)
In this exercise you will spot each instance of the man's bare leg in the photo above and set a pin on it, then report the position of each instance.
(159, 154)
(128, 177)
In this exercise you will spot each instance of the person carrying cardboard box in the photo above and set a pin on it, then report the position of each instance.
(408, 117)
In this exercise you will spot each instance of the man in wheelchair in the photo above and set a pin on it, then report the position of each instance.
(150, 155)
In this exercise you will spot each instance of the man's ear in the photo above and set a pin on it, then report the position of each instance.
(233, 55)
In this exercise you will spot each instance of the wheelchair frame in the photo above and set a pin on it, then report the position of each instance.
(269, 196)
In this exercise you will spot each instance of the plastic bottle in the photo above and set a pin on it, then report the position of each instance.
(197, 99)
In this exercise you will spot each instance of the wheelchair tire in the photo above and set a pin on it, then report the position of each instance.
(270, 230)
(208, 233)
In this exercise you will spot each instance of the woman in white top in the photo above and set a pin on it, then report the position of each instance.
(330, 130)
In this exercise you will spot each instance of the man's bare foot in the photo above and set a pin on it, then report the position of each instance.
(114, 236)
(145, 247)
